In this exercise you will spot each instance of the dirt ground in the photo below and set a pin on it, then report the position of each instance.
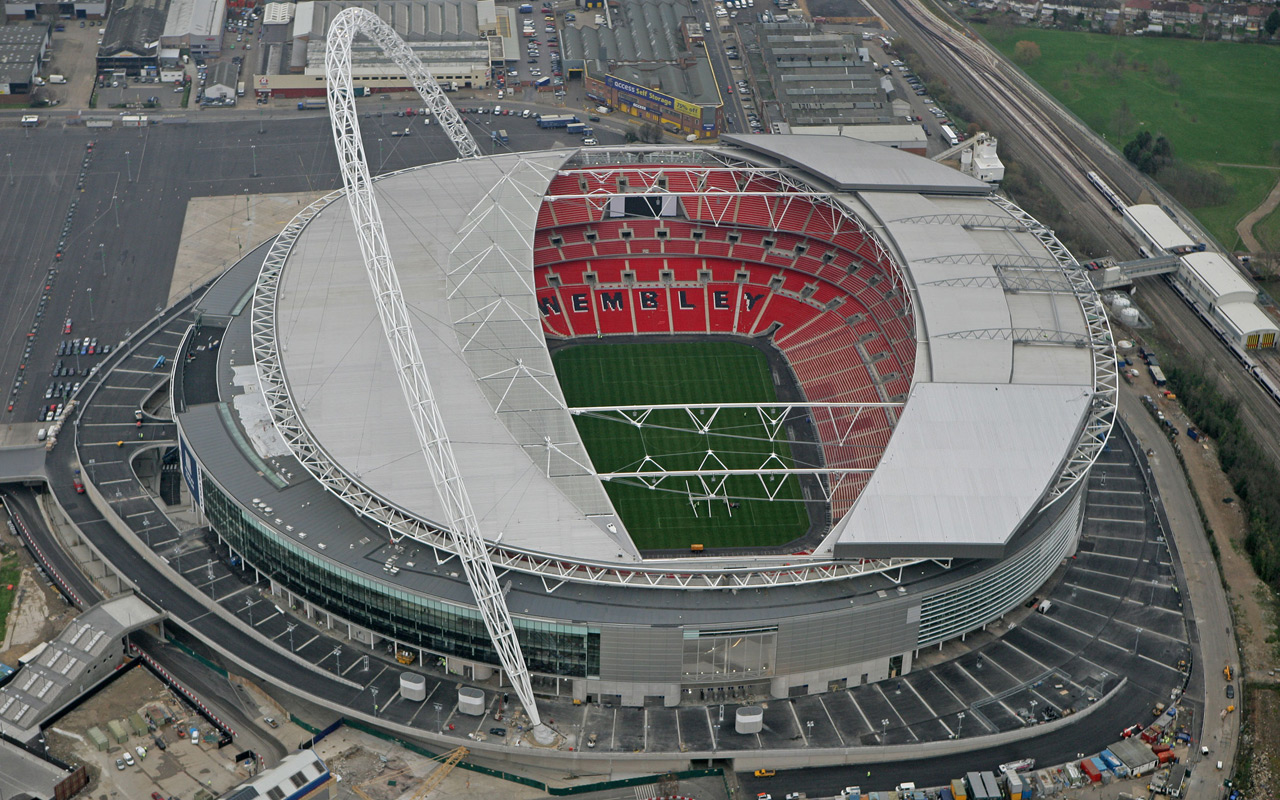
(39, 611)
(181, 769)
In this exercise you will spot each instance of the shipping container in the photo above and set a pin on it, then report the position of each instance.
(958, 790)
(1091, 771)
(1074, 777)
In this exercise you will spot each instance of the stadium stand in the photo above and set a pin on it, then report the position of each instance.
(787, 267)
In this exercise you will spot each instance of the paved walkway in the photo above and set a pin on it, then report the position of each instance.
(1220, 731)
(1245, 226)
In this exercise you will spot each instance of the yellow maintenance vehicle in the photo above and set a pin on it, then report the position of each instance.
(405, 656)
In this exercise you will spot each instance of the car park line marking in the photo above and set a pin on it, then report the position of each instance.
(426, 702)
(928, 707)
(1114, 491)
(963, 703)
(1112, 519)
(832, 720)
(613, 732)
(1083, 588)
(307, 642)
(1108, 555)
(1077, 566)
(796, 716)
(710, 726)
(1115, 538)
(267, 618)
(1027, 655)
(894, 709)
(1130, 506)
(117, 480)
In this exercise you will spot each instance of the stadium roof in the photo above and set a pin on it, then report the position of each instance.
(1003, 383)
(462, 237)
(966, 464)
(853, 165)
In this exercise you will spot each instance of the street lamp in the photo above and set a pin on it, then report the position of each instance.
(248, 606)
(809, 725)
(959, 723)
(438, 707)
(116, 209)
(884, 729)
(289, 630)
(128, 167)
(253, 148)
(92, 318)
(337, 655)
(10, 157)
(1136, 637)
(373, 690)
(102, 251)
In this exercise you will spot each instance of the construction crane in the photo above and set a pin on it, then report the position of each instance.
(447, 762)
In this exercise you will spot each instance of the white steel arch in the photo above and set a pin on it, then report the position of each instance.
(428, 423)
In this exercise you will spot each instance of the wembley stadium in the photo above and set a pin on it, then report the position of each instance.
(943, 380)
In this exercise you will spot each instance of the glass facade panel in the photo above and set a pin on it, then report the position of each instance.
(721, 655)
(549, 647)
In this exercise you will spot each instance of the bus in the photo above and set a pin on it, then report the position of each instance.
(949, 134)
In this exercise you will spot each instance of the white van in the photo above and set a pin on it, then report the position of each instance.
(41, 435)
(706, 26)
(497, 109)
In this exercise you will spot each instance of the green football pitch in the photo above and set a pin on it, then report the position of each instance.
(684, 372)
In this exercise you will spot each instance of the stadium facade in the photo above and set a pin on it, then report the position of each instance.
(959, 366)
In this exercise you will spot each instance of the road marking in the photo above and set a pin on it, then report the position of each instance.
(894, 709)
(1112, 519)
(832, 720)
(929, 708)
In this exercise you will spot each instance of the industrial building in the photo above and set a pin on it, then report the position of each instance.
(22, 51)
(458, 42)
(77, 9)
(56, 673)
(131, 38)
(822, 78)
(195, 25)
(647, 60)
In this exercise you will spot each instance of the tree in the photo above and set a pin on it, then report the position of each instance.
(650, 133)
(1025, 52)
(1273, 22)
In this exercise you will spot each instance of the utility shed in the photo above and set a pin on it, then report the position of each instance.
(98, 738)
(1134, 754)
(118, 731)
(135, 722)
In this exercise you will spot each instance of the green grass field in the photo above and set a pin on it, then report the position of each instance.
(10, 572)
(1216, 102)
(679, 372)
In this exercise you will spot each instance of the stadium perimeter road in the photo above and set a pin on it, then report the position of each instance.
(123, 232)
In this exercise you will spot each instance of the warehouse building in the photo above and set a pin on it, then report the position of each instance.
(22, 51)
(822, 78)
(458, 42)
(195, 25)
(131, 39)
(649, 63)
